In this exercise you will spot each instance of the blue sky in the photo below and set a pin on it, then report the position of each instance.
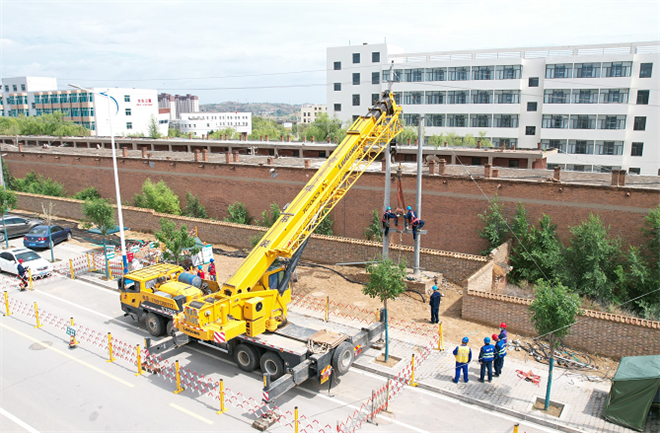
(224, 50)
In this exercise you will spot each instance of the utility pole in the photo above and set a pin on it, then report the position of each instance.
(386, 200)
(418, 206)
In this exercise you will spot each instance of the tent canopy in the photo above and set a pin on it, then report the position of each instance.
(634, 387)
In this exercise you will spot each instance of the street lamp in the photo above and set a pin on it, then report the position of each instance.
(114, 166)
(2, 182)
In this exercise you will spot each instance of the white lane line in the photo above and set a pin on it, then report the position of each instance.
(76, 305)
(191, 413)
(18, 421)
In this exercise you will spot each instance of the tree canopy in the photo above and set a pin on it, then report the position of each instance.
(176, 241)
(159, 197)
(47, 124)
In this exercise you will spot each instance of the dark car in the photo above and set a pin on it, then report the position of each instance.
(38, 236)
(17, 226)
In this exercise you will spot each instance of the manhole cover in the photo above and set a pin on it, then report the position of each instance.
(41, 345)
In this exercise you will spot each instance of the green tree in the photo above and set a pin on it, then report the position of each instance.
(8, 200)
(176, 241)
(374, 232)
(485, 142)
(238, 214)
(220, 134)
(325, 227)
(194, 208)
(37, 184)
(324, 127)
(152, 128)
(100, 213)
(553, 312)
(263, 127)
(591, 261)
(88, 193)
(269, 217)
(408, 132)
(495, 225)
(173, 132)
(386, 281)
(48, 124)
(159, 197)
(9, 181)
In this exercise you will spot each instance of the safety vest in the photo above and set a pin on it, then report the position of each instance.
(488, 353)
(463, 354)
(501, 350)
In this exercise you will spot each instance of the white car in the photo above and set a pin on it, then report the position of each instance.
(9, 262)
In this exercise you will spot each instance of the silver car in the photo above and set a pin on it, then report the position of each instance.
(17, 226)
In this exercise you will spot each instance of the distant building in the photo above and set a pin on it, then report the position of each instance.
(35, 96)
(178, 104)
(308, 112)
(199, 124)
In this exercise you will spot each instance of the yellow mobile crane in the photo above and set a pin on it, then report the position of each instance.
(246, 316)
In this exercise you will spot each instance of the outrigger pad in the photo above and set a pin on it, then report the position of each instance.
(330, 338)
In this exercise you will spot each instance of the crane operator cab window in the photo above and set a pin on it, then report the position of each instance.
(129, 286)
(274, 280)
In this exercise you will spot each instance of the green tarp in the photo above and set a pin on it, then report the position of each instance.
(634, 387)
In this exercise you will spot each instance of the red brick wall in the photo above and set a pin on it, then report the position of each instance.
(451, 204)
(601, 333)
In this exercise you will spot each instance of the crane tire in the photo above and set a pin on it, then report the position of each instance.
(272, 364)
(155, 325)
(342, 359)
(246, 357)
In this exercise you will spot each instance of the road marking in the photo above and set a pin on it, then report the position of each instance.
(99, 288)
(192, 414)
(71, 357)
(76, 305)
(18, 421)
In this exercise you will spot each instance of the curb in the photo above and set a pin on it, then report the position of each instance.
(520, 415)
(96, 283)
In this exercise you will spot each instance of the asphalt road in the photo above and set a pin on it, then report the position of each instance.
(46, 387)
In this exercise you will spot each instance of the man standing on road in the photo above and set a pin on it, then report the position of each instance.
(500, 353)
(22, 274)
(486, 355)
(434, 302)
(212, 273)
(463, 356)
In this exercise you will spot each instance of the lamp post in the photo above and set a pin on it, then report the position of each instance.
(114, 167)
(2, 182)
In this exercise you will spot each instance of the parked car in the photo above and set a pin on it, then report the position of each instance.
(9, 262)
(38, 236)
(17, 226)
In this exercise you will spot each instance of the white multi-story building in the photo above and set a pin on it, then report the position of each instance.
(597, 104)
(199, 124)
(34, 96)
(308, 112)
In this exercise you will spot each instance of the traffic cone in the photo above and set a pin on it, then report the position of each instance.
(72, 342)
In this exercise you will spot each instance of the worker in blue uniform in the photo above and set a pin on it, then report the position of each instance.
(500, 353)
(413, 222)
(387, 216)
(486, 356)
(434, 302)
(503, 334)
(463, 355)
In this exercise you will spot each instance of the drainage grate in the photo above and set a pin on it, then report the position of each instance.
(41, 345)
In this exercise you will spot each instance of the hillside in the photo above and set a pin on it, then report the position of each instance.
(261, 109)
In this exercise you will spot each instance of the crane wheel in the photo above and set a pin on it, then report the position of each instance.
(272, 363)
(155, 325)
(246, 357)
(342, 359)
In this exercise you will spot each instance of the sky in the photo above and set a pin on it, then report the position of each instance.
(274, 51)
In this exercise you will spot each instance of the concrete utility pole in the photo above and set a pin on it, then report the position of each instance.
(418, 206)
(386, 200)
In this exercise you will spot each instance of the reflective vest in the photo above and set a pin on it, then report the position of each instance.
(501, 349)
(488, 353)
(463, 354)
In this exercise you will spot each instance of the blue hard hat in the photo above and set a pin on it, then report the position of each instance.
(435, 287)
(211, 260)
(465, 339)
(487, 340)
(409, 208)
(199, 267)
(389, 208)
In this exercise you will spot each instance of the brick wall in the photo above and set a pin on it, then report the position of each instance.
(601, 333)
(451, 204)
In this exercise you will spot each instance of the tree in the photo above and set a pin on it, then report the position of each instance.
(176, 241)
(88, 193)
(173, 132)
(159, 197)
(220, 134)
(8, 200)
(374, 232)
(263, 127)
(152, 128)
(9, 181)
(36, 184)
(324, 227)
(408, 133)
(495, 228)
(386, 281)
(238, 214)
(324, 127)
(47, 124)
(100, 213)
(194, 208)
(268, 218)
(553, 313)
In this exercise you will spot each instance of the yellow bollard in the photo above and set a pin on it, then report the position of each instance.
(327, 303)
(109, 271)
(94, 262)
(412, 375)
(111, 358)
(89, 263)
(377, 314)
(73, 338)
(295, 420)
(178, 379)
(31, 281)
(139, 362)
(515, 428)
(71, 266)
(7, 305)
(36, 315)
(441, 340)
(222, 398)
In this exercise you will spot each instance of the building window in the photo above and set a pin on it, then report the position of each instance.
(355, 117)
(514, 163)
(375, 57)
(645, 70)
(587, 70)
(555, 121)
(532, 106)
(23, 87)
(337, 87)
(414, 75)
(356, 57)
(530, 130)
(14, 87)
(634, 170)
(583, 121)
(436, 74)
(505, 120)
(127, 98)
(642, 97)
(337, 107)
(128, 111)
(640, 123)
(356, 78)
(434, 120)
(581, 147)
(482, 96)
(476, 161)
(609, 147)
(459, 73)
(483, 72)
(554, 144)
(507, 96)
(637, 149)
(612, 122)
(613, 96)
(617, 69)
(6, 88)
(375, 78)
(374, 98)
(457, 97)
(411, 119)
(585, 96)
(397, 97)
(481, 120)
(356, 100)
(506, 142)
(435, 97)
(508, 72)
(413, 98)
(562, 70)
(457, 120)
(129, 125)
(337, 66)
(557, 96)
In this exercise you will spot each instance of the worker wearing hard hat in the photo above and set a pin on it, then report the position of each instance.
(414, 222)
(503, 334)
(434, 302)
(500, 353)
(463, 355)
(486, 356)
(387, 216)
(212, 272)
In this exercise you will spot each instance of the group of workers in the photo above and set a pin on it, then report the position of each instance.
(490, 355)
(411, 221)
(211, 271)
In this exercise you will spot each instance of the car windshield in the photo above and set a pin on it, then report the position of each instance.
(28, 256)
(39, 231)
